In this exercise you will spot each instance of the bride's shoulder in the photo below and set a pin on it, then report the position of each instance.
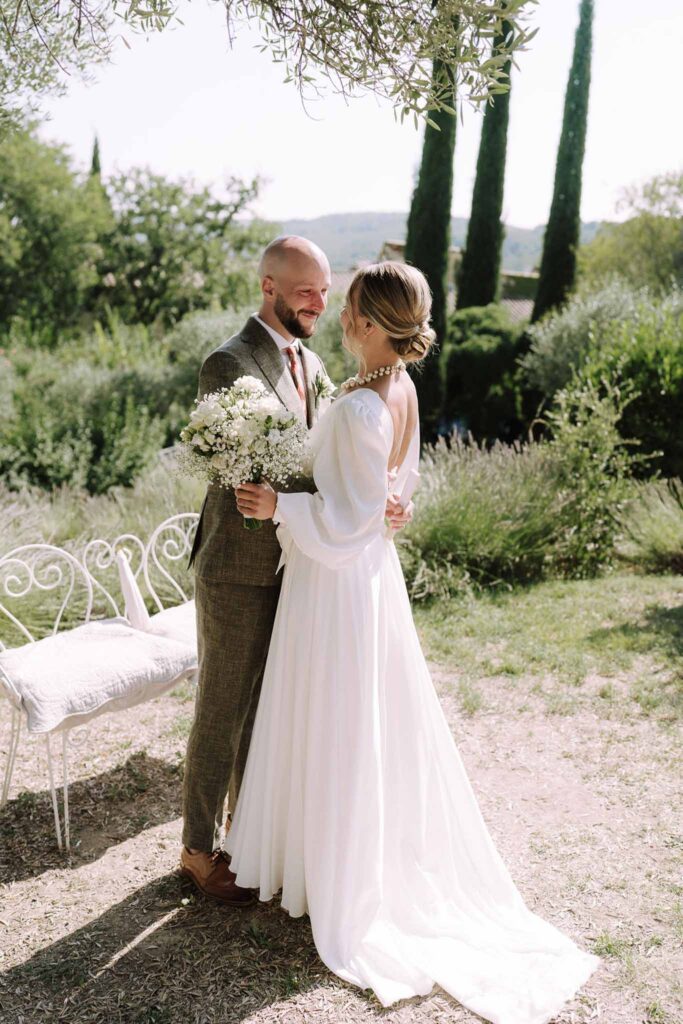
(363, 404)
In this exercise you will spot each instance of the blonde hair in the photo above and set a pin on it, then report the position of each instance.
(395, 297)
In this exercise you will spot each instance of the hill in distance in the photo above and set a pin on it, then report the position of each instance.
(350, 238)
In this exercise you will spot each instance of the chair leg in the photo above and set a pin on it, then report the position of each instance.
(11, 755)
(53, 791)
(65, 790)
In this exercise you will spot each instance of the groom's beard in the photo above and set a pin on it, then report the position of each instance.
(290, 321)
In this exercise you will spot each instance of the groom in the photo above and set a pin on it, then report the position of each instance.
(236, 581)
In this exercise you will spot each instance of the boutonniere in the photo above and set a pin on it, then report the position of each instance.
(323, 386)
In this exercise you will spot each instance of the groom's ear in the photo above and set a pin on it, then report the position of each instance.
(268, 286)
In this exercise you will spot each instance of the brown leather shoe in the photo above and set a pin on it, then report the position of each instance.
(211, 874)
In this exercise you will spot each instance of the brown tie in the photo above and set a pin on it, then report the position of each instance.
(291, 355)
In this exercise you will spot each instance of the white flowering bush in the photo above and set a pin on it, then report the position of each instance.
(242, 434)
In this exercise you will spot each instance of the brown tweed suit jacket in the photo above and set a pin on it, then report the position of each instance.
(223, 550)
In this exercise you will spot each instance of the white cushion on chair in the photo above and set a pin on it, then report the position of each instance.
(179, 623)
(67, 679)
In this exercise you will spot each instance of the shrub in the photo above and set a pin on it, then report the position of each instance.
(653, 526)
(480, 357)
(81, 428)
(560, 342)
(482, 514)
(645, 354)
(521, 512)
(593, 470)
(87, 444)
(95, 412)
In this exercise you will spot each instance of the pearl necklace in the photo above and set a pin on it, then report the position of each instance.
(357, 382)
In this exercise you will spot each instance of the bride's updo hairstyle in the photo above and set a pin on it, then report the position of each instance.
(395, 297)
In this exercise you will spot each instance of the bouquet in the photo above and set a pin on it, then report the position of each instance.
(241, 435)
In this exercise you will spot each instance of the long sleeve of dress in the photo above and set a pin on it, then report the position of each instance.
(336, 524)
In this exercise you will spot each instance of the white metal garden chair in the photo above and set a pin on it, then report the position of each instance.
(86, 665)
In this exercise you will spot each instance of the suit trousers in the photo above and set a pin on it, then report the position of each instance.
(234, 625)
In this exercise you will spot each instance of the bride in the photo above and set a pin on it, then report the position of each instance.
(355, 802)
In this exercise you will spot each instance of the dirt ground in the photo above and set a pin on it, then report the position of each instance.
(584, 807)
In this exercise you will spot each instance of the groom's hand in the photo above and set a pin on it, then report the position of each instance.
(256, 501)
(397, 515)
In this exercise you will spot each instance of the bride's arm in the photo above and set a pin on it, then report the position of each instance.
(334, 525)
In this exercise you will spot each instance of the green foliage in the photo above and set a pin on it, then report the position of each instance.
(653, 526)
(50, 225)
(645, 353)
(81, 428)
(560, 342)
(428, 240)
(522, 512)
(647, 249)
(480, 360)
(594, 468)
(175, 247)
(356, 47)
(478, 276)
(93, 414)
(37, 48)
(98, 410)
(138, 247)
(484, 515)
(630, 339)
(558, 262)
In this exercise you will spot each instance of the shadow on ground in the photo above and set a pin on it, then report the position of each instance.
(660, 633)
(105, 810)
(154, 959)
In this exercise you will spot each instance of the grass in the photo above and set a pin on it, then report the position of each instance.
(622, 627)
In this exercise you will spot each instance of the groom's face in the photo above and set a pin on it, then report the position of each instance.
(299, 293)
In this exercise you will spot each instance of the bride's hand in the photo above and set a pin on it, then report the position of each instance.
(256, 501)
(396, 514)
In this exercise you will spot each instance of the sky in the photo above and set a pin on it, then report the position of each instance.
(186, 104)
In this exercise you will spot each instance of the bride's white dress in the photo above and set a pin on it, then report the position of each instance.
(355, 801)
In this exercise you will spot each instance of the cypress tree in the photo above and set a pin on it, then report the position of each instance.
(480, 267)
(95, 166)
(428, 240)
(561, 239)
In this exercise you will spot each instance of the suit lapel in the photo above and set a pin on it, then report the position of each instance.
(271, 364)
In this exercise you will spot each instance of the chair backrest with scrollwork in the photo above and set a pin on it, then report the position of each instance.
(165, 569)
(99, 559)
(42, 589)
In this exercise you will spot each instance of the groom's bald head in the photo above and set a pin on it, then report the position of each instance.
(295, 281)
(289, 251)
